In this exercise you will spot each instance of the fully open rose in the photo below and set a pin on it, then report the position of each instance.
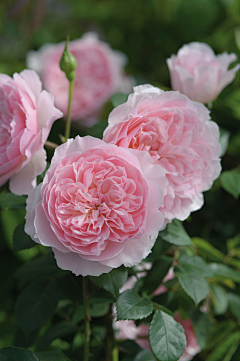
(179, 136)
(98, 206)
(198, 73)
(99, 74)
(26, 116)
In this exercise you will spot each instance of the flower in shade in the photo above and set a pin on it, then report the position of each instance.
(179, 136)
(26, 117)
(198, 73)
(99, 74)
(98, 206)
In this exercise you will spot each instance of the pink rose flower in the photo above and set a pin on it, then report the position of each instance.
(26, 117)
(99, 74)
(179, 136)
(98, 206)
(198, 73)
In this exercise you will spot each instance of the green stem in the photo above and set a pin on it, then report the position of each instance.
(87, 323)
(115, 354)
(68, 121)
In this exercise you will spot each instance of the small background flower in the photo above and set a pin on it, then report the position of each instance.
(198, 73)
(99, 74)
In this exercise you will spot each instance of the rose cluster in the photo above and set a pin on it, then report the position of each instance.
(102, 202)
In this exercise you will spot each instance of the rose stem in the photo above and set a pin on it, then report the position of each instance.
(50, 145)
(68, 121)
(115, 354)
(87, 323)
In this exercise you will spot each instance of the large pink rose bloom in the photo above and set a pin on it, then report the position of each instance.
(98, 206)
(99, 74)
(198, 73)
(179, 136)
(26, 116)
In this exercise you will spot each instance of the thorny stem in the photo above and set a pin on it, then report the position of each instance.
(87, 322)
(68, 121)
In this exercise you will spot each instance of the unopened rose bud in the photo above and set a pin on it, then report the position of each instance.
(68, 63)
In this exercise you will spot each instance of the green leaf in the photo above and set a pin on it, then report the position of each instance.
(207, 250)
(160, 268)
(111, 281)
(196, 262)
(118, 99)
(21, 240)
(36, 304)
(167, 337)
(71, 286)
(55, 354)
(193, 283)
(40, 267)
(219, 298)
(234, 304)
(12, 201)
(230, 181)
(145, 355)
(98, 310)
(130, 306)
(224, 139)
(222, 271)
(219, 332)
(175, 233)
(202, 326)
(57, 331)
(98, 129)
(101, 296)
(17, 354)
(226, 349)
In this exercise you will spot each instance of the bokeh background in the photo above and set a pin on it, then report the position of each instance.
(148, 32)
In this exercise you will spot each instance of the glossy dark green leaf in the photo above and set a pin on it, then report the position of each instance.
(197, 262)
(17, 354)
(145, 355)
(12, 201)
(157, 273)
(36, 304)
(111, 281)
(175, 233)
(167, 337)
(130, 306)
(55, 354)
(101, 296)
(57, 331)
(193, 283)
(71, 286)
(230, 181)
(40, 267)
(21, 240)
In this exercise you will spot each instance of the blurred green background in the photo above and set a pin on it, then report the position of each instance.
(148, 32)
